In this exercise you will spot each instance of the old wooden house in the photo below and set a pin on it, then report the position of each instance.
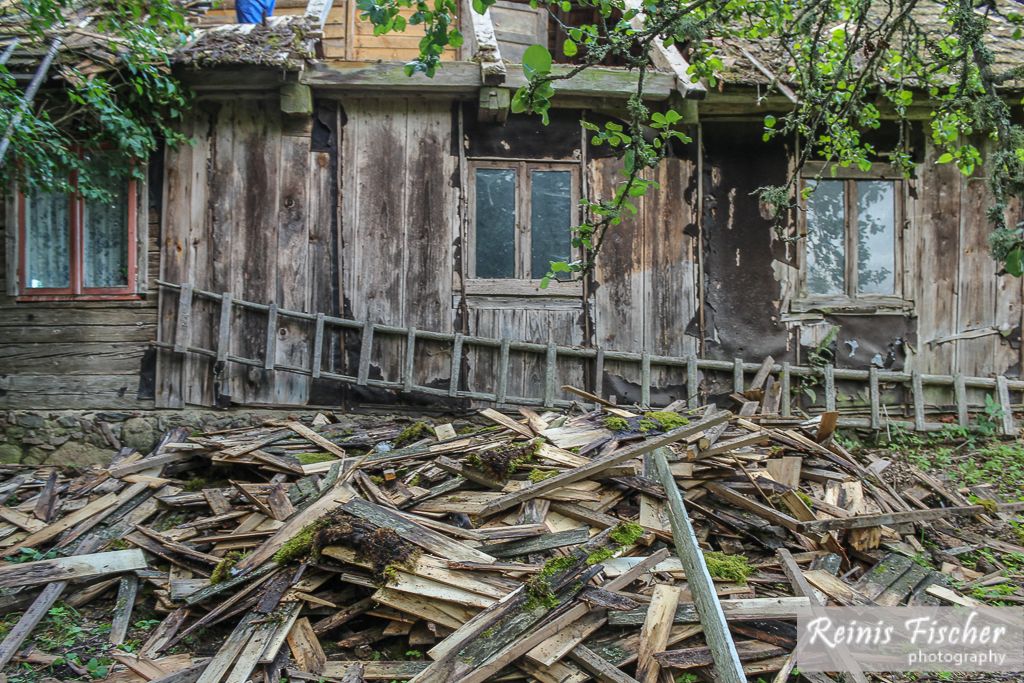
(341, 232)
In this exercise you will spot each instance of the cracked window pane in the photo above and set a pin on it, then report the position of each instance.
(495, 223)
(876, 237)
(826, 250)
(550, 220)
(47, 240)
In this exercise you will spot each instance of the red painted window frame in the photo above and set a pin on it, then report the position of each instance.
(77, 290)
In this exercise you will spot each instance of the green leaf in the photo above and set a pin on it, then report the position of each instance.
(545, 281)
(769, 121)
(944, 159)
(536, 61)
(1015, 262)
(569, 48)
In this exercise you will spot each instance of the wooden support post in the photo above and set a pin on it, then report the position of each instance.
(785, 392)
(737, 375)
(271, 355)
(183, 328)
(456, 370)
(875, 397)
(224, 330)
(494, 104)
(599, 373)
(550, 374)
(728, 667)
(365, 349)
(692, 375)
(318, 346)
(960, 395)
(409, 372)
(502, 392)
(317, 11)
(645, 380)
(1003, 392)
(917, 390)
(830, 387)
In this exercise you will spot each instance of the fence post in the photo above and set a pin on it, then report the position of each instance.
(599, 373)
(271, 354)
(737, 375)
(183, 328)
(456, 370)
(1003, 390)
(550, 374)
(960, 394)
(645, 380)
(224, 331)
(318, 346)
(502, 393)
(410, 360)
(692, 390)
(875, 398)
(830, 387)
(917, 389)
(365, 349)
(785, 392)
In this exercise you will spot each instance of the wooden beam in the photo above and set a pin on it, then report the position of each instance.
(317, 11)
(74, 567)
(669, 58)
(728, 667)
(488, 54)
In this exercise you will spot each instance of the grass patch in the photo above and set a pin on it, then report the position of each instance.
(735, 568)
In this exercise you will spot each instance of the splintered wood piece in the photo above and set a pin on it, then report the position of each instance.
(655, 631)
(305, 646)
(699, 581)
(126, 592)
(601, 668)
(74, 567)
(693, 657)
(91, 510)
(311, 436)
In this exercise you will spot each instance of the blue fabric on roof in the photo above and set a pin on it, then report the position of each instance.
(253, 11)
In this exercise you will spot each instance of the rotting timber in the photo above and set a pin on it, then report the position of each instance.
(537, 547)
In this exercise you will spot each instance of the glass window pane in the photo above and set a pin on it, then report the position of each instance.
(105, 238)
(876, 237)
(550, 220)
(495, 223)
(826, 250)
(47, 240)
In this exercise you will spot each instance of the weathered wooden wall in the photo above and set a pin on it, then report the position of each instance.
(78, 354)
(249, 210)
(646, 287)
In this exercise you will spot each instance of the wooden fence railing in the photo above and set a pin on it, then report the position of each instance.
(779, 374)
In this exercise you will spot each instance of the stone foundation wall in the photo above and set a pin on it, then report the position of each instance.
(88, 437)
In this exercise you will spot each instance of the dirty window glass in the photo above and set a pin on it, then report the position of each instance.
(550, 220)
(47, 241)
(105, 238)
(495, 223)
(826, 251)
(876, 237)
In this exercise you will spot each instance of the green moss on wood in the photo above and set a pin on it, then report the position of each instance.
(616, 423)
(666, 419)
(537, 475)
(735, 568)
(412, 434)
(313, 458)
(626, 533)
(222, 572)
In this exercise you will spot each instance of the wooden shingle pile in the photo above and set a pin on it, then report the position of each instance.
(543, 547)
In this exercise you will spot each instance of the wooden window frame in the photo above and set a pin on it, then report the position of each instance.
(851, 299)
(525, 282)
(77, 291)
